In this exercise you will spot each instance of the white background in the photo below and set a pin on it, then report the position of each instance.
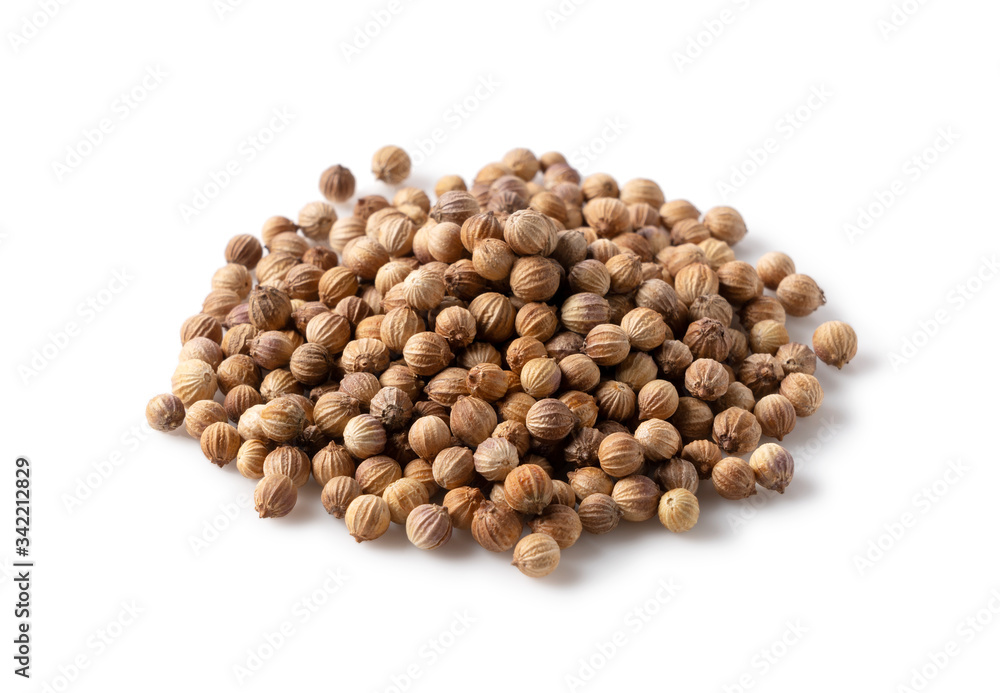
(878, 451)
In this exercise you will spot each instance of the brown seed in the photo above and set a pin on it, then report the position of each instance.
(835, 343)
(193, 380)
(776, 416)
(638, 496)
(288, 461)
(338, 493)
(333, 411)
(282, 419)
(678, 510)
(800, 295)
(274, 496)
(677, 473)
(364, 436)
(796, 358)
(658, 439)
(428, 526)
(203, 414)
(337, 184)
(367, 517)
(536, 555)
(767, 336)
(550, 419)
(607, 345)
(165, 413)
(391, 165)
(736, 431)
(219, 443)
(250, 459)
(804, 392)
(706, 379)
(560, 522)
(332, 461)
(270, 309)
(772, 466)
(472, 420)
(704, 455)
(773, 267)
(244, 250)
(620, 455)
(403, 496)
(599, 513)
(496, 527)
(734, 479)
(528, 488)
(494, 459)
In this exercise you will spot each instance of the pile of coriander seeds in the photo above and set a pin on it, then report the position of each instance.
(535, 349)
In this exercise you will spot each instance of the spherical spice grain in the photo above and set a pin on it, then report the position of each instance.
(800, 295)
(736, 430)
(403, 496)
(776, 416)
(428, 526)
(193, 380)
(528, 489)
(638, 496)
(367, 517)
(219, 443)
(332, 461)
(364, 436)
(734, 479)
(274, 496)
(288, 461)
(338, 494)
(494, 459)
(804, 393)
(537, 555)
(659, 440)
(550, 420)
(678, 510)
(796, 358)
(773, 267)
(165, 413)
(250, 459)
(835, 343)
(472, 420)
(599, 513)
(496, 527)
